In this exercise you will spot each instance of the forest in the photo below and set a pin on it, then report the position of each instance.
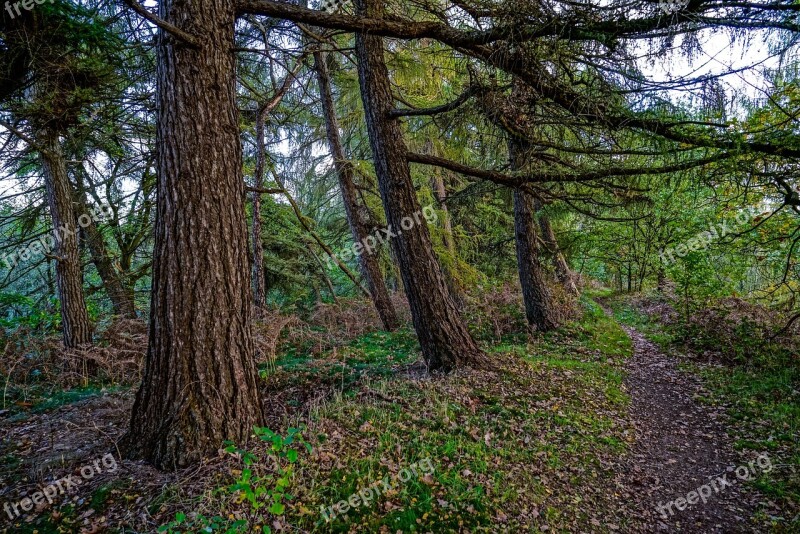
(399, 266)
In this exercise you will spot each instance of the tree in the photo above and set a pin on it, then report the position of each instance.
(259, 284)
(200, 381)
(120, 294)
(75, 323)
(535, 293)
(356, 216)
(50, 80)
(446, 343)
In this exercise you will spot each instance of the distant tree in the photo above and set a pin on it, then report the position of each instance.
(357, 217)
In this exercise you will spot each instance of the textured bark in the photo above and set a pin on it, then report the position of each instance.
(563, 272)
(69, 274)
(200, 381)
(444, 338)
(356, 218)
(259, 291)
(535, 293)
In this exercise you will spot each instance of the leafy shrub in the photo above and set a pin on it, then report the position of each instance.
(260, 491)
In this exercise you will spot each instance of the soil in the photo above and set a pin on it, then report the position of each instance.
(681, 445)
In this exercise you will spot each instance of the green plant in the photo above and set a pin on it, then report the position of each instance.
(263, 483)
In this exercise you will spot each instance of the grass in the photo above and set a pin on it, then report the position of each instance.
(519, 446)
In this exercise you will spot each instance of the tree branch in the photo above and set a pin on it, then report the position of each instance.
(518, 180)
(455, 104)
(186, 37)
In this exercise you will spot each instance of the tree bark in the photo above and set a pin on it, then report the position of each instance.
(446, 343)
(75, 323)
(563, 272)
(368, 261)
(259, 291)
(200, 383)
(535, 293)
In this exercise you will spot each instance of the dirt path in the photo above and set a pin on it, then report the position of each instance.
(681, 445)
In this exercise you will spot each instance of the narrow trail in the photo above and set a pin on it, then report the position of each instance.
(681, 445)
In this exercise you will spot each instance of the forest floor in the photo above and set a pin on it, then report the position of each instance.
(587, 429)
(682, 446)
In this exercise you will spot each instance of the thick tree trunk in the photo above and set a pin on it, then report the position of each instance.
(446, 343)
(200, 384)
(368, 261)
(563, 272)
(69, 275)
(259, 292)
(535, 293)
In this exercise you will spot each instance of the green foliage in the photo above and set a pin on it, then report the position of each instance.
(260, 491)
(21, 312)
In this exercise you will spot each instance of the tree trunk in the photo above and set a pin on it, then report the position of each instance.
(535, 293)
(563, 272)
(440, 191)
(259, 292)
(69, 274)
(662, 279)
(370, 268)
(200, 384)
(446, 343)
(122, 297)
(630, 276)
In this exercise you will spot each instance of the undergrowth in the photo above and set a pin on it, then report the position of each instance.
(502, 443)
